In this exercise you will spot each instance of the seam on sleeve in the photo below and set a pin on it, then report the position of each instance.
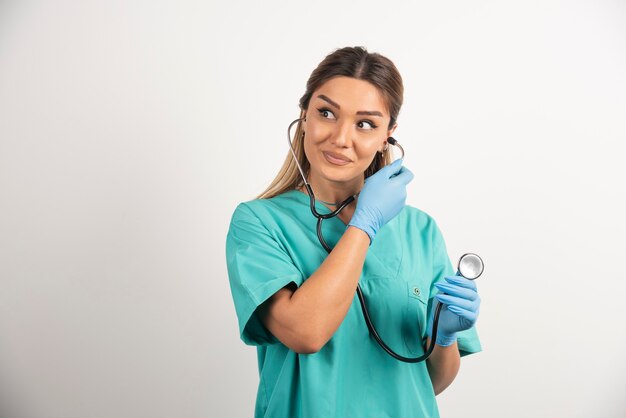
(259, 222)
(268, 232)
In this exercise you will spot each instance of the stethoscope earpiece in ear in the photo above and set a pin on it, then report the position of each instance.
(393, 141)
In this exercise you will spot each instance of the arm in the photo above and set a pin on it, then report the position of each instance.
(459, 312)
(443, 366)
(305, 319)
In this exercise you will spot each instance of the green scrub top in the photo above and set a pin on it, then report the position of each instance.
(272, 242)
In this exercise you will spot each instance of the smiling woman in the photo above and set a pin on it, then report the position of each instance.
(297, 304)
(341, 141)
(357, 68)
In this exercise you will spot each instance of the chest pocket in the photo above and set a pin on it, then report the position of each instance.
(398, 310)
(416, 317)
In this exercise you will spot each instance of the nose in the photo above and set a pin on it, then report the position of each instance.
(342, 137)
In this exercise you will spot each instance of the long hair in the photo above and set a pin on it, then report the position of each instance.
(353, 62)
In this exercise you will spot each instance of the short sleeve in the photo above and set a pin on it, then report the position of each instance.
(258, 266)
(468, 341)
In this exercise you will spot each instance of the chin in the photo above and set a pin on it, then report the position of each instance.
(342, 174)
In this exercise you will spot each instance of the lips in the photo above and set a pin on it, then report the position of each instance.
(336, 158)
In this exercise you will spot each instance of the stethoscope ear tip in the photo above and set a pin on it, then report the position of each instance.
(393, 141)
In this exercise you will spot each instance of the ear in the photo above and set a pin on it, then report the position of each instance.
(389, 132)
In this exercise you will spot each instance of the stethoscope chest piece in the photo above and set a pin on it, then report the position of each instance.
(470, 266)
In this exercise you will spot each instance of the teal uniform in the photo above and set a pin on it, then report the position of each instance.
(272, 242)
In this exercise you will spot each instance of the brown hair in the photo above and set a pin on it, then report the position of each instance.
(353, 62)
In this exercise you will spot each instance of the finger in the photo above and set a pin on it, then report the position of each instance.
(455, 302)
(393, 168)
(462, 292)
(470, 316)
(461, 281)
(404, 176)
(387, 171)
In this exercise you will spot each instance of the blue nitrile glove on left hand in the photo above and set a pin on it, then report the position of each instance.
(382, 197)
(461, 304)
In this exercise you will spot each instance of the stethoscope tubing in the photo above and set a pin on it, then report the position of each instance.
(320, 217)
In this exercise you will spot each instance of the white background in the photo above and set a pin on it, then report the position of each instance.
(129, 131)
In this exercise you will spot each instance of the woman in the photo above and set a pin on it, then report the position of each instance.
(297, 303)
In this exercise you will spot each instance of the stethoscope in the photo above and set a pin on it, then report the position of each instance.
(470, 265)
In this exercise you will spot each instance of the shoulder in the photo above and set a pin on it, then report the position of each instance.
(417, 218)
(263, 210)
(415, 224)
(266, 222)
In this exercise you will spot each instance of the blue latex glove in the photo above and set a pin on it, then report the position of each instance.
(460, 309)
(382, 197)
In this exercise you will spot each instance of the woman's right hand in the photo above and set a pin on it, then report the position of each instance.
(383, 196)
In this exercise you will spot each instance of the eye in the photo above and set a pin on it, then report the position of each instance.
(326, 113)
(367, 125)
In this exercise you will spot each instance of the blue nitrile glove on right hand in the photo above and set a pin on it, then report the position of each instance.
(460, 308)
(382, 197)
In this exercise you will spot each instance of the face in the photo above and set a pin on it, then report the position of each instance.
(346, 124)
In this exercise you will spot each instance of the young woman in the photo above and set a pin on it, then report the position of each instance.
(297, 302)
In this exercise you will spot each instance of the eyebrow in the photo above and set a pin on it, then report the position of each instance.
(360, 112)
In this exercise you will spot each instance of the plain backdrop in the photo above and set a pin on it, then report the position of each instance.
(129, 131)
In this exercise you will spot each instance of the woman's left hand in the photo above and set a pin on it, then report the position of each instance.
(460, 308)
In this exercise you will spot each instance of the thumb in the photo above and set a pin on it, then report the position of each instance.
(393, 168)
(386, 172)
(404, 175)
